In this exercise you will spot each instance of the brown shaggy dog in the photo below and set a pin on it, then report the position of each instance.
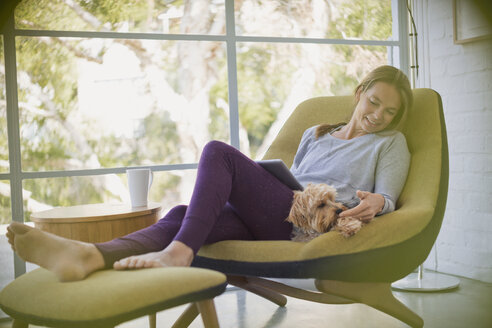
(314, 212)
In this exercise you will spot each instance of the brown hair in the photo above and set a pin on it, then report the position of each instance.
(390, 75)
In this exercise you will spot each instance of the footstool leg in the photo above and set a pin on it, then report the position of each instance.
(152, 320)
(187, 317)
(19, 324)
(209, 315)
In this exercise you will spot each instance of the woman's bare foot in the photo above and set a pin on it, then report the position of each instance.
(69, 259)
(176, 254)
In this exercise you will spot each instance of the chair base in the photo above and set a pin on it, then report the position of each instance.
(428, 282)
(207, 310)
(19, 324)
(376, 295)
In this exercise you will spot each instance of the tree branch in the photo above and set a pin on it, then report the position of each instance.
(78, 53)
(82, 13)
(92, 20)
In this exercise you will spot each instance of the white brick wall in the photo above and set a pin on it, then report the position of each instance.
(462, 74)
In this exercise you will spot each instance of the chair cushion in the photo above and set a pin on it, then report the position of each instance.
(372, 254)
(107, 297)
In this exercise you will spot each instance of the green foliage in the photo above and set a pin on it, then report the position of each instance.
(165, 188)
(343, 83)
(114, 11)
(55, 74)
(5, 212)
(47, 142)
(47, 14)
(113, 15)
(219, 116)
(362, 19)
(64, 191)
(159, 142)
(45, 156)
(263, 81)
(4, 150)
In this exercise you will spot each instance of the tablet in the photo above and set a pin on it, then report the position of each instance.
(278, 169)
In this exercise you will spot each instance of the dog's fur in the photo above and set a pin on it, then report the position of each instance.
(314, 211)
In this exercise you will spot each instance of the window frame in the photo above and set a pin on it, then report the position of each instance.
(16, 176)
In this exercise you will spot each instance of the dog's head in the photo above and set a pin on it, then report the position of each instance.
(315, 209)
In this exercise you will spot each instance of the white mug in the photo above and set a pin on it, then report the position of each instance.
(139, 182)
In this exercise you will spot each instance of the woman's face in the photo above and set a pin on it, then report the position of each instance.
(376, 107)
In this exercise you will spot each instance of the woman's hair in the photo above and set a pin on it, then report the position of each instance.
(392, 76)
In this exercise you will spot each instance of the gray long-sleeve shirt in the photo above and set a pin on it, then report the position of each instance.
(376, 162)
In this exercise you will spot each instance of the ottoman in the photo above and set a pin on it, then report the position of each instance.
(108, 298)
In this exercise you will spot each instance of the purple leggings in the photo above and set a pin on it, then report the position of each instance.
(234, 199)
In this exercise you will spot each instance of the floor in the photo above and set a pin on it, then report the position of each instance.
(468, 306)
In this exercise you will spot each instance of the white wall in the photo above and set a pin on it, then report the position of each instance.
(462, 74)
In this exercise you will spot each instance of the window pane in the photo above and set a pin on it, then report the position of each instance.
(169, 188)
(5, 207)
(6, 263)
(196, 17)
(340, 19)
(108, 103)
(274, 78)
(6, 255)
(4, 148)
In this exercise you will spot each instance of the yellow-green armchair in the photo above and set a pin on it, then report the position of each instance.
(361, 268)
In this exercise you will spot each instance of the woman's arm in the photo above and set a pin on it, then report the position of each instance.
(306, 139)
(390, 176)
(392, 171)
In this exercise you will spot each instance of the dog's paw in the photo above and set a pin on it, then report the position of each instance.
(348, 227)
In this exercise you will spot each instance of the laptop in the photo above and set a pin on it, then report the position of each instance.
(278, 169)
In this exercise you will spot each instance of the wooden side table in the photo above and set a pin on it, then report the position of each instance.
(95, 223)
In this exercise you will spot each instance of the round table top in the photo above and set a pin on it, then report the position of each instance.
(93, 212)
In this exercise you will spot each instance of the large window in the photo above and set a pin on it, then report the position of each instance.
(94, 87)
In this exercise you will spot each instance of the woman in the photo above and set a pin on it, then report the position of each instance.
(234, 198)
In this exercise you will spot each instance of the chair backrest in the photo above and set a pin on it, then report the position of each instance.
(426, 187)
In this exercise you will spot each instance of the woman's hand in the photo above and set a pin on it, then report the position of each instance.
(370, 205)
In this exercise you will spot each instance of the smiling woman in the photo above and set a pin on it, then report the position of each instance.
(375, 166)
(382, 101)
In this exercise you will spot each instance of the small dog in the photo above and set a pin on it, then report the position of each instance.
(314, 212)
